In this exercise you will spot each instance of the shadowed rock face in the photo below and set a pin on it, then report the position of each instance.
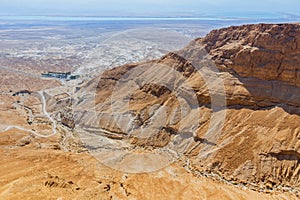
(260, 68)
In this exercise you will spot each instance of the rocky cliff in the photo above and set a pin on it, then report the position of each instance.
(264, 51)
(251, 137)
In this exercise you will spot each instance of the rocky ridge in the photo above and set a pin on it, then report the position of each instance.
(259, 140)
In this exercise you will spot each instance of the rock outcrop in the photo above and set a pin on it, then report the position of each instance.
(264, 51)
(258, 140)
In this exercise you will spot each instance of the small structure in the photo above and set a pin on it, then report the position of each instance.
(60, 75)
(73, 76)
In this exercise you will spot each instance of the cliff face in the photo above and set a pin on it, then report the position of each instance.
(265, 51)
(262, 63)
(258, 141)
(265, 60)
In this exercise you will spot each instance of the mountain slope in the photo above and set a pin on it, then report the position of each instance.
(229, 104)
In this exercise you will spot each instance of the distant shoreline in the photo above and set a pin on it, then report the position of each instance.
(99, 18)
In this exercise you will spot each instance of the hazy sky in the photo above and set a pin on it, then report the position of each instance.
(144, 7)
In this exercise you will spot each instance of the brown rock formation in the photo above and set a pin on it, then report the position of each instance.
(260, 67)
(264, 51)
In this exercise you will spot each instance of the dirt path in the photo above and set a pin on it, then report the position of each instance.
(44, 106)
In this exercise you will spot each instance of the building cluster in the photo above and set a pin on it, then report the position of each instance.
(61, 75)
